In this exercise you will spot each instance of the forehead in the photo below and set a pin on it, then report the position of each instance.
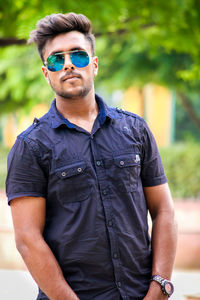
(66, 42)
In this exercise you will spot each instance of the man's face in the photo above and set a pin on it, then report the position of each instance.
(70, 82)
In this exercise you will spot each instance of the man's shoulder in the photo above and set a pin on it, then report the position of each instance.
(116, 112)
(36, 128)
(136, 120)
(128, 113)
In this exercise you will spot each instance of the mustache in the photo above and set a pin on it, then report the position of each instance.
(71, 73)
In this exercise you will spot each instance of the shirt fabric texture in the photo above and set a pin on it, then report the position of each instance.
(96, 212)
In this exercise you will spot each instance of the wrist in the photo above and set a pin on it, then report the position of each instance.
(155, 292)
(65, 293)
(165, 285)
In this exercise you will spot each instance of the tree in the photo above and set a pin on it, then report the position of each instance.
(137, 42)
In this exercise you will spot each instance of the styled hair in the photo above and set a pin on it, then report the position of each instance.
(52, 25)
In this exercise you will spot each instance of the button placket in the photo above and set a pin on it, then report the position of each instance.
(106, 202)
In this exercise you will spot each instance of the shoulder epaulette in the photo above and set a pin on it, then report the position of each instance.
(128, 113)
(35, 121)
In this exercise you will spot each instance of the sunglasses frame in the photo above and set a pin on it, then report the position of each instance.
(67, 52)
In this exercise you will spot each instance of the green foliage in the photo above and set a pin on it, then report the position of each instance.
(181, 163)
(3, 166)
(21, 78)
(137, 42)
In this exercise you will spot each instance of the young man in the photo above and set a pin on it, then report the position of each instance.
(81, 180)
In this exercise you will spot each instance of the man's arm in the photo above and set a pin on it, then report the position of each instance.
(28, 215)
(164, 236)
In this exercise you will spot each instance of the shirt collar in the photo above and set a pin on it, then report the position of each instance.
(105, 112)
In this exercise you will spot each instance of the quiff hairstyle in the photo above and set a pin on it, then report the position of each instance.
(52, 25)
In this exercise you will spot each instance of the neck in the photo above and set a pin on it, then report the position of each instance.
(81, 111)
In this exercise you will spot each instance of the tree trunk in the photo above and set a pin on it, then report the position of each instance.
(190, 110)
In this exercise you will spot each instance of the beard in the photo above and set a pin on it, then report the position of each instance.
(77, 92)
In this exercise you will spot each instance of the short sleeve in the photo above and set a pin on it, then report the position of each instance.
(25, 176)
(152, 172)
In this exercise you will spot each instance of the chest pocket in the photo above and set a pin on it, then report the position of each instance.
(72, 181)
(125, 172)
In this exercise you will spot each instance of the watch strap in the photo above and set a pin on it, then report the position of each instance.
(157, 278)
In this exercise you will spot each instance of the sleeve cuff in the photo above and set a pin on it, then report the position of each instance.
(26, 194)
(154, 181)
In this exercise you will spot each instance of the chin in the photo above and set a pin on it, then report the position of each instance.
(73, 94)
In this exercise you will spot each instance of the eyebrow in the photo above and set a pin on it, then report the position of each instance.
(72, 49)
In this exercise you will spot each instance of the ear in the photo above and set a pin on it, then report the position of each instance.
(45, 72)
(95, 65)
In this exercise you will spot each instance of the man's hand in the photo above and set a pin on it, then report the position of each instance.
(155, 292)
(164, 236)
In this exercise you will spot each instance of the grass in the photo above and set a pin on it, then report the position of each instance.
(3, 166)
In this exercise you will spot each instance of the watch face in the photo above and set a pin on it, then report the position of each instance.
(169, 288)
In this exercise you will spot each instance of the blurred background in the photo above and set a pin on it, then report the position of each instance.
(149, 63)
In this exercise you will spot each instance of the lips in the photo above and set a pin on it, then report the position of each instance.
(70, 76)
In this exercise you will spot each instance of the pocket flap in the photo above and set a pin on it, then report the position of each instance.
(127, 160)
(71, 170)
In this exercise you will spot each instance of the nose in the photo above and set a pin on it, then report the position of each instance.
(68, 64)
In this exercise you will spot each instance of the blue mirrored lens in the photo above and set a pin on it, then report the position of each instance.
(80, 59)
(55, 62)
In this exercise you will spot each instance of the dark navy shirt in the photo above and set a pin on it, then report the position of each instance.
(96, 213)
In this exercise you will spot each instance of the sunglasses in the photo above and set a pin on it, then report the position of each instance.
(79, 59)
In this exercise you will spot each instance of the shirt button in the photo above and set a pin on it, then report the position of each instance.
(115, 255)
(119, 284)
(63, 174)
(92, 137)
(98, 163)
(110, 223)
(79, 170)
(121, 162)
(104, 192)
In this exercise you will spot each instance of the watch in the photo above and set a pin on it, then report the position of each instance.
(166, 285)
